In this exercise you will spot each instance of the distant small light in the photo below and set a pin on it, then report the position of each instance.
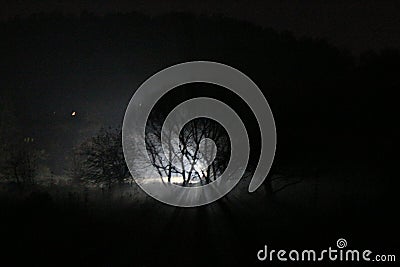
(73, 113)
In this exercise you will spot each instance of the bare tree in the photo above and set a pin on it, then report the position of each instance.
(188, 157)
(100, 159)
(21, 162)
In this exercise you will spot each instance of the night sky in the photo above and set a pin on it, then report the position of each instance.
(353, 24)
(97, 79)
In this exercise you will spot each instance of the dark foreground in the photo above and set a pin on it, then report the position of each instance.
(45, 230)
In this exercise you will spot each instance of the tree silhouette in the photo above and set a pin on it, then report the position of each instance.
(193, 157)
(100, 159)
(22, 161)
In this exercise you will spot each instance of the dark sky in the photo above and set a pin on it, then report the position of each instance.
(83, 82)
(355, 24)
